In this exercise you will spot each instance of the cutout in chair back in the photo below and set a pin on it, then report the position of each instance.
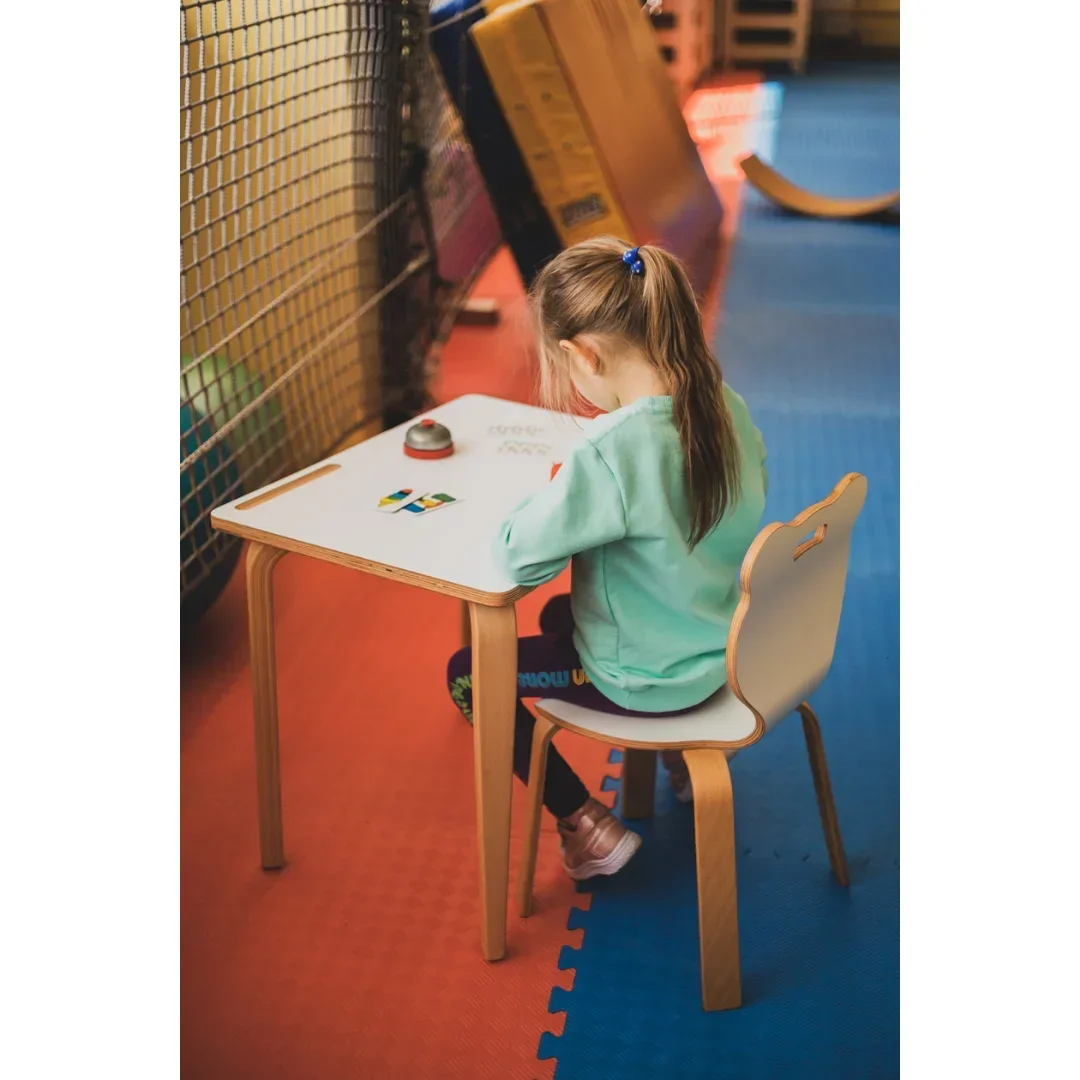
(783, 635)
(812, 540)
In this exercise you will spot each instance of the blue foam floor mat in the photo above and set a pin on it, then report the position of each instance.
(810, 337)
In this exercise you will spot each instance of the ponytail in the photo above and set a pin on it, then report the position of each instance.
(675, 344)
(590, 288)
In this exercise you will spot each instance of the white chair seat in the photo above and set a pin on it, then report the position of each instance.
(721, 719)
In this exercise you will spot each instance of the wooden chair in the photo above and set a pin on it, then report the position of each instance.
(779, 649)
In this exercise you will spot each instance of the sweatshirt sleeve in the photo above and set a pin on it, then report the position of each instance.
(580, 509)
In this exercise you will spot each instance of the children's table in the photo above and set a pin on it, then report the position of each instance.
(502, 451)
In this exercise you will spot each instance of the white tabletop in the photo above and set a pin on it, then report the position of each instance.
(503, 451)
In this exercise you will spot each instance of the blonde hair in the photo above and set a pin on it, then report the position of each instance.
(588, 289)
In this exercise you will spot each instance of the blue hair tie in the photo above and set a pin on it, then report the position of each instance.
(632, 259)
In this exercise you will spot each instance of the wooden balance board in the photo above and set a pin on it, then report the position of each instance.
(800, 201)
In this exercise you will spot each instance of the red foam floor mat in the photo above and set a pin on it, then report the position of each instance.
(361, 958)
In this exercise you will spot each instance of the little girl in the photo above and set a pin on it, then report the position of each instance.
(656, 507)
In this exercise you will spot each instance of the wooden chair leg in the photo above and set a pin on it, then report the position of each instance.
(638, 783)
(261, 561)
(718, 913)
(494, 659)
(541, 743)
(826, 807)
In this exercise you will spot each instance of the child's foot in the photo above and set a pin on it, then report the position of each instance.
(678, 775)
(595, 842)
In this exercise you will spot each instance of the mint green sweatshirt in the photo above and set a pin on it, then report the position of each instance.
(651, 616)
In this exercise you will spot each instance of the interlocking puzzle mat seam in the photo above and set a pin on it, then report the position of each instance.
(567, 962)
(579, 915)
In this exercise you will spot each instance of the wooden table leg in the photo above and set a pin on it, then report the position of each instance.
(494, 636)
(261, 561)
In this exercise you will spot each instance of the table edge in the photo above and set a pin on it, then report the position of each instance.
(368, 566)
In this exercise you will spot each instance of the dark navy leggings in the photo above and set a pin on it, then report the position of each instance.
(548, 667)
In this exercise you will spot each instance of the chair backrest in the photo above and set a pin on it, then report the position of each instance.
(783, 635)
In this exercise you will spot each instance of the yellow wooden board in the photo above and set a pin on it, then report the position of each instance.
(792, 197)
(539, 107)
